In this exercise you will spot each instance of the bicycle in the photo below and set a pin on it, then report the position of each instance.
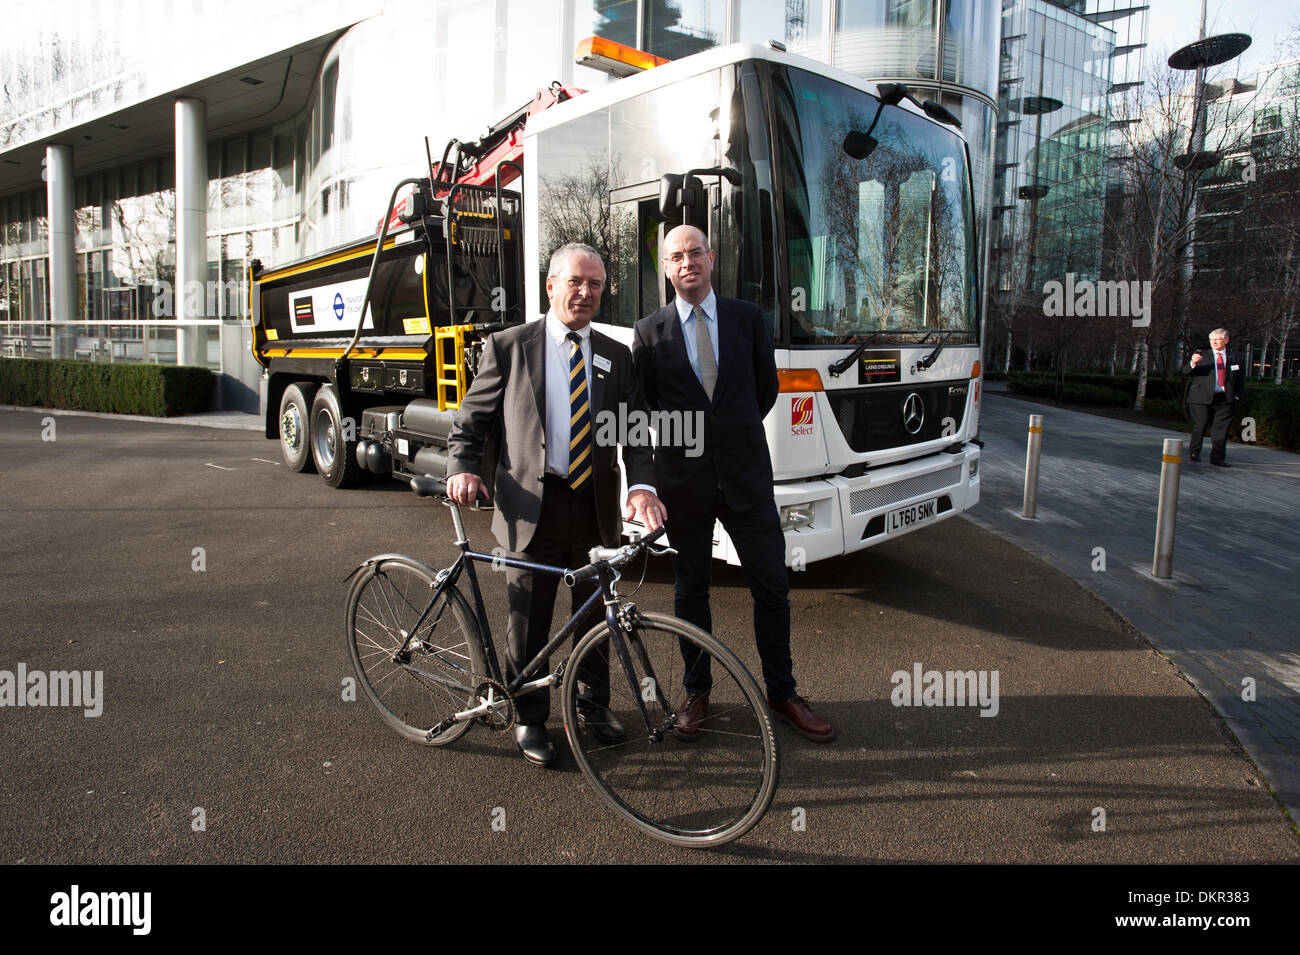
(426, 660)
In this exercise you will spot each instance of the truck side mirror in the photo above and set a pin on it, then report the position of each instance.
(680, 197)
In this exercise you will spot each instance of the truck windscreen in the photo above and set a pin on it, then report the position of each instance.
(878, 220)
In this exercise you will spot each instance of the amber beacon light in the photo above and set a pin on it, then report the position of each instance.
(613, 58)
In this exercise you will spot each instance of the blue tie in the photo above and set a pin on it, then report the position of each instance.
(579, 417)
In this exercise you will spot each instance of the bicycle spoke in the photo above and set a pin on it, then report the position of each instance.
(707, 790)
(383, 611)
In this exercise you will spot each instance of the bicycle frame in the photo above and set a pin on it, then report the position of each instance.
(699, 780)
(605, 592)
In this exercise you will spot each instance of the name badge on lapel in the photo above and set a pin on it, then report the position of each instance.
(600, 362)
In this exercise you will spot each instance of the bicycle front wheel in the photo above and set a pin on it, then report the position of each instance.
(704, 792)
(415, 679)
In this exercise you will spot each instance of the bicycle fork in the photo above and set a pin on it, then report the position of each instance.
(621, 619)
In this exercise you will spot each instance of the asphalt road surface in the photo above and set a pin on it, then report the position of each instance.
(206, 582)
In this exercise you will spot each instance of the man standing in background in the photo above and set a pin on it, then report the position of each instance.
(1217, 382)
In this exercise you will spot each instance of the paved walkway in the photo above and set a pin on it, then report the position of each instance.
(236, 420)
(1231, 613)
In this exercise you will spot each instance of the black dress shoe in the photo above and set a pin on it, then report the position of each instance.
(1195, 457)
(1221, 464)
(535, 744)
(601, 721)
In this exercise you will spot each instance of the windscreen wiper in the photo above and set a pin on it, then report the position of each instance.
(930, 359)
(838, 368)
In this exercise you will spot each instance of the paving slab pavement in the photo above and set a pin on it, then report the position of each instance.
(1228, 617)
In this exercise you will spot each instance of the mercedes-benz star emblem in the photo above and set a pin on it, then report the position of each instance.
(913, 413)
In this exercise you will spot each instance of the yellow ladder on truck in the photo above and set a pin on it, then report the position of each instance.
(449, 364)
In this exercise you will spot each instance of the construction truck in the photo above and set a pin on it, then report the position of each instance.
(843, 208)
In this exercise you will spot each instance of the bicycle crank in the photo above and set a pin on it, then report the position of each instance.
(498, 707)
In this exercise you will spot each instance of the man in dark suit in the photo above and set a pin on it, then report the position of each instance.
(1218, 379)
(712, 357)
(557, 488)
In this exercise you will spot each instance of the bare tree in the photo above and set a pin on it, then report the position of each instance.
(1271, 211)
(1150, 218)
(576, 207)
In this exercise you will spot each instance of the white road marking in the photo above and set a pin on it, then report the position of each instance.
(264, 461)
(219, 467)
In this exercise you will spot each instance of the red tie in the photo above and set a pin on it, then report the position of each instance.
(1218, 363)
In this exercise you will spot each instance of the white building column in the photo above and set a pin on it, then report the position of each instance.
(60, 203)
(191, 227)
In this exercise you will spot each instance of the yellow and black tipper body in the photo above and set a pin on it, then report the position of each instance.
(347, 394)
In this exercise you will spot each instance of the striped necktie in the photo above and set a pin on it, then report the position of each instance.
(579, 417)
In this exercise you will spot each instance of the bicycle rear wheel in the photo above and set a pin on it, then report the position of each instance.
(705, 792)
(419, 682)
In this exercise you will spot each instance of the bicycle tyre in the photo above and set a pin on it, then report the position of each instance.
(383, 604)
(702, 793)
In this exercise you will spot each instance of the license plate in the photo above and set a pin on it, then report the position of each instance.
(905, 518)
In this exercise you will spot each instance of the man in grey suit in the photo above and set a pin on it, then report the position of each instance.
(557, 488)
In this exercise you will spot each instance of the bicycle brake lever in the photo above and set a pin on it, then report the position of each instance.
(661, 551)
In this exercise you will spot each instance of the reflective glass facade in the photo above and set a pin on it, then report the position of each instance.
(383, 76)
(1246, 210)
(1054, 118)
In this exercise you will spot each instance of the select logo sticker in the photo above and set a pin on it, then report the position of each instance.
(801, 415)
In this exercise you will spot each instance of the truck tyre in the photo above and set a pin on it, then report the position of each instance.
(333, 448)
(295, 415)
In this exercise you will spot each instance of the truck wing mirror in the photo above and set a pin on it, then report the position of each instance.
(678, 193)
(859, 145)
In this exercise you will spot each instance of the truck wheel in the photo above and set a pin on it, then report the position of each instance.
(333, 448)
(295, 442)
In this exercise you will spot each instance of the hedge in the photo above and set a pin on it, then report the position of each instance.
(1276, 410)
(157, 390)
(1076, 392)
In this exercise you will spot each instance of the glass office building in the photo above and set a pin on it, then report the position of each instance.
(1245, 209)
(1053, 122)
(149, 151)
(1067, 72)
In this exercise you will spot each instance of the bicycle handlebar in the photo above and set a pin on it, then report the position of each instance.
(612, 556)
(430, 486)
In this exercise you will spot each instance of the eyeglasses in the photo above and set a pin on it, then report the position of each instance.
(677, 258)
(592, 285)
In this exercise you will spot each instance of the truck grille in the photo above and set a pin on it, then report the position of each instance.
(873, 418)
(870, 498)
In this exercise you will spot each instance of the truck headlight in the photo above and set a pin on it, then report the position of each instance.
(797, 515)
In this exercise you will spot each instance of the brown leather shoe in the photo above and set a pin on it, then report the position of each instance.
(804, 719)
(687, 725)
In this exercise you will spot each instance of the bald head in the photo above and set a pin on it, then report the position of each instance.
(688, 263)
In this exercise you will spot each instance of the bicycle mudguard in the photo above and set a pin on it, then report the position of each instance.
(369, 561)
